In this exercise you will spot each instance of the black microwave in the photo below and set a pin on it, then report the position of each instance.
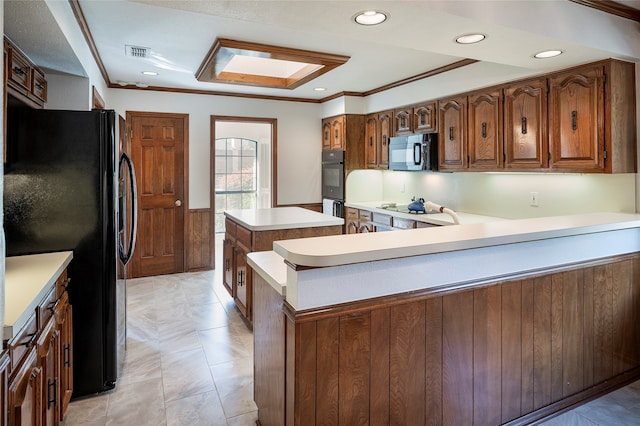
(414, 152)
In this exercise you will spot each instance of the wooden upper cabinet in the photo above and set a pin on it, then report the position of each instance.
(425, 117)
(576, 111)
(371, 141)
(525, 124)
(484, 129)
(337, 133)
(452, 143)
(333, 133)
(376, 139)
(326, 134)
(403, 120)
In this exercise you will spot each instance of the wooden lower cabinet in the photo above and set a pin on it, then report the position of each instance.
(512, 351)
(239, 241)
(38, 377)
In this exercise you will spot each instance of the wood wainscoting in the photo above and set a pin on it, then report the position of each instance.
(512, 351)
(200, 240)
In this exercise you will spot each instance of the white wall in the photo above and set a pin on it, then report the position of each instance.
(67, 92)
(299, 137)
(499, 194)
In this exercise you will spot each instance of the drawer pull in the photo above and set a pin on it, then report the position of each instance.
(52, 396)
(32, 338)
(66, 355)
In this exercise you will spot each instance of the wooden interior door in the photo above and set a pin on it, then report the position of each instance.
(157, 151)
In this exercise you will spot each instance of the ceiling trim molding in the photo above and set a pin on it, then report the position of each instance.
(426, 74)
(86, 32)
(611, 7)
(214, 93)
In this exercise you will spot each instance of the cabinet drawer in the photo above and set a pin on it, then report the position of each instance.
(365, 215)
(382, 219)
(19, 71)
(38, 86)
(425, 225)
(230, 228)
(62, 283)
(23, 341)
(46, 307)
(243, 237)
(402, 223)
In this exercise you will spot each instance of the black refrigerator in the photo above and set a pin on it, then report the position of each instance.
(68, 186)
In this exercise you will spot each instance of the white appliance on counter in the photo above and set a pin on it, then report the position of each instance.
(333, 207)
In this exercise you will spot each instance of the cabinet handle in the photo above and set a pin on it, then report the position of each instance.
(451, 133)
(524, 125)
(32, 338)
(574, 120)
(66, 355)
(19, 71)
(52, 400)
(484, 130)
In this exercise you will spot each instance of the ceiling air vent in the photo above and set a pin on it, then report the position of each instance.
(137, 51)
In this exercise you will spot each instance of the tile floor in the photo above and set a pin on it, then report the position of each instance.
(190, 363)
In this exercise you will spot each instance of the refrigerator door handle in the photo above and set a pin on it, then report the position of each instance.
(126, 256)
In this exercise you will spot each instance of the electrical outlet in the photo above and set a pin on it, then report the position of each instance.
(533, 199)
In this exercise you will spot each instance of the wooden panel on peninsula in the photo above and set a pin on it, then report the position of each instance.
(255, 230)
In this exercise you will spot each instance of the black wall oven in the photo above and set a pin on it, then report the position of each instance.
(333, 182)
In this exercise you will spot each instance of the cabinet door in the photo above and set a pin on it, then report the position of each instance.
(484, 128)
(452, 143)
(403, 121)
(525, 125)
(337, 133)
(242, 291)
(25, 393)
(576, 116)
(48, 361)
(424, 117)
(227, 256)
(371, 141)
(65, 325)
(385, 122)
(326, 134)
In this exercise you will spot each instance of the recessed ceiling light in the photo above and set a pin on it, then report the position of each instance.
(319, 89)
(547, 54)
(370, 17)
(149, 73)
(470, 38)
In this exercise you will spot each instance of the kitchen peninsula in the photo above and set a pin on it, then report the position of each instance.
(254, 230)
(488, 323)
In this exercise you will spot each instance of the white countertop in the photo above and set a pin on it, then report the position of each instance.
(27, 281)
(433, 217)
(367, 247)
(282, 218)
(270, 266)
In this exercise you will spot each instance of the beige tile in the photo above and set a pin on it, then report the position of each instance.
(138, 404)
(248, 419)
(234, 382)
(185, 374)
(199, 410)
(87, 411)
(223, 344)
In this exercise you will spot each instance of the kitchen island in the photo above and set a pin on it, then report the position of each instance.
(254, 230)
(487, 323)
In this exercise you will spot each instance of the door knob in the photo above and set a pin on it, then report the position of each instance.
(178, 203)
